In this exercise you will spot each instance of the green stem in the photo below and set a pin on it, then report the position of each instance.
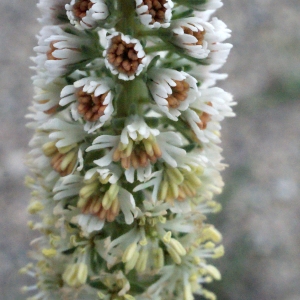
(163, 47)
(133, 93)
(127, 11)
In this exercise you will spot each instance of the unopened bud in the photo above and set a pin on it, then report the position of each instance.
(213, 271)
(35, 207)
(128, 254)
(141, 263)
(49, 252)
(177, 247)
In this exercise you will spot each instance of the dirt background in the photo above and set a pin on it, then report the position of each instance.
(260, 217)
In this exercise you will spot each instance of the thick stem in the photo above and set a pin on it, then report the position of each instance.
(133, 92)
(127, 12)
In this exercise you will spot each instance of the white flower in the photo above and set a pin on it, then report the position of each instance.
(109, 174)
(84, 14)
(206, 74)
(137, 147)
(64, 132)
(92, 101)
(90, 222)
(172, 91)
(154, 14)
(58, 51)
(199, 38)
(47, 95)
(53, 12)
(207, 111)
(124, 56)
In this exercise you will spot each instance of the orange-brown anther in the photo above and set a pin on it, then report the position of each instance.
(58, 162)
(123, 56)
(138, 157)
(205, 118)
(94, 207)
(51, 110)
(199, 35)
(90, 106)
(81, 7)
(179, 93)
(49, 53)
(156, 9)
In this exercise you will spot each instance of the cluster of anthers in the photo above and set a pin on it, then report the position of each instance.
(125, 158)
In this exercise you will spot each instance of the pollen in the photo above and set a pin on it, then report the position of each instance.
(179, 93)
(91, 107)
(123, 56)
(81, 7)
(199, 35)
(156, 9)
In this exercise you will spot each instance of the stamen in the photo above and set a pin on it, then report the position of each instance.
(179, 93)
(95, 207)
(51, 50)
(123, 56)
(204, 118)
(138, 156)
(63, 162)
(90, 106)
(156, 9)
(81, 7)
(199, 35)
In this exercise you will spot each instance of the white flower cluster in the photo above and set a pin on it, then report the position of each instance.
(125, 157)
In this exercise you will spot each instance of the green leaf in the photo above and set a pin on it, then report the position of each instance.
(97, 284)
(69, 251)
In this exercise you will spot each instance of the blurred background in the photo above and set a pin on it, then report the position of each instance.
(260, 218)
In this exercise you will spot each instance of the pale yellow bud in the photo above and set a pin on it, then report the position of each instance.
(75, 275)
(68, 158)
(148, 147)
(35, 207)
(30, 224)
(143, 242)
(209, 295)
(141, 263)
(88, 190)
(128, 254)
(174, 189)
(213, 271)
(219, 252)
(163, 190)
(49, 148)
(66, 149)
(159, 260)
(49, 252)
(174, 255)
(187, 295)
(211, 233)
(113, 191)
(177, 247)
(107, 201)
(174, 175)
(167, 237)
(132, 262)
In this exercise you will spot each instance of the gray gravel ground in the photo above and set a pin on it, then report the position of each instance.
(260, 219)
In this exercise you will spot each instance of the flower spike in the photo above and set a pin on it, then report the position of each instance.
(125, 158)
